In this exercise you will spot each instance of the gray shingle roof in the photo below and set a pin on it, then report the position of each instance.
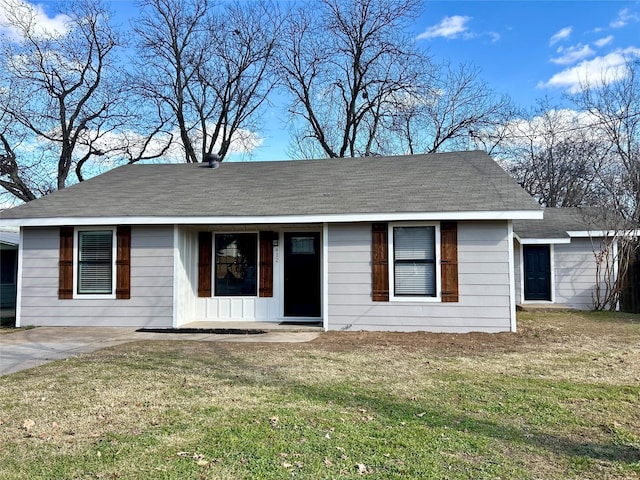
(443, 182)
(558, 221)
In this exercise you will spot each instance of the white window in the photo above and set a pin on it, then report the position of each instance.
(414, 250)
(95, 262)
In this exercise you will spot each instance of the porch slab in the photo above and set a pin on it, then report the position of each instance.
(543, 307)
(263, 326)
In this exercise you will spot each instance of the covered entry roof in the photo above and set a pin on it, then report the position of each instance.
(560, 224)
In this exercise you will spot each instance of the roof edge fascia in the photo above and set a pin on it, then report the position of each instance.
(603, 233)
(543, 241)
(320, 218)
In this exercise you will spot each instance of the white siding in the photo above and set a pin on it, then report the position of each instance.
(483, 262)
(151, 303)
(575, 273)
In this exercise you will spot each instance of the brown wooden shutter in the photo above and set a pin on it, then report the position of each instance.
(123, 262)
(449, 261)
(266, 264)
(65, 279)
(205, 250)
(380, 262)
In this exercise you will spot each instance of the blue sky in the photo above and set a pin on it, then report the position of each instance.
(533, 49)
(527, 49)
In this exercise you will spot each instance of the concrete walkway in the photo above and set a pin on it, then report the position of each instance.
(30, 348)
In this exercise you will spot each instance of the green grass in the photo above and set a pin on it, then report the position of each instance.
(561, 399)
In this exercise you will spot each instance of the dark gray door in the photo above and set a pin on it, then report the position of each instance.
(302, 274)
(537, 272)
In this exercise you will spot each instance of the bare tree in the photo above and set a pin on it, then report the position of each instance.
(344, 67)
(614, 103)
(453, 110)
(208, 66)
(556, 157)
(60, 96)
(614, 242)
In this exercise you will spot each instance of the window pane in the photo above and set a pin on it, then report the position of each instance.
(414, 243)
(95, 254)
(302, 245)
(414, 261)
(236, 264)
(94, 278)
(415, 279)
(95, 246)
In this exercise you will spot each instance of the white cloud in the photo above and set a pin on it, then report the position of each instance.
(244, 142)
(601, 69)
(33, 16)
(560, 35)
(572, 54)
(449, 27)
(625, 16)
(534, 131)
(601, 42)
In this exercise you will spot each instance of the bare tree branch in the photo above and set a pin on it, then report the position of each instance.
(55, 87)
(210, 67)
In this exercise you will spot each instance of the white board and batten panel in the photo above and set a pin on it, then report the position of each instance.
(186, 275)
(483, 279)
(192, 308)
(151, 302)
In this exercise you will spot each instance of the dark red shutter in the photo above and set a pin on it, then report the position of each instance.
(65, 279)
(266, 264)
(380, 262)
(449, 261)
(123, 262)
(205, 250)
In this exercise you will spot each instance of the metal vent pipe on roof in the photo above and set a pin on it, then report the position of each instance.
(213, 159)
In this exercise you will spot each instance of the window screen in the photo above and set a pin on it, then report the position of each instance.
(95, 262)
(414, 261)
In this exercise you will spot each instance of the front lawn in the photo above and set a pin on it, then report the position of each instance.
(560, 399)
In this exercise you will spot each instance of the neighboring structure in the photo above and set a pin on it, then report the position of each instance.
(8, 270)
(409, 243)
(556, 256)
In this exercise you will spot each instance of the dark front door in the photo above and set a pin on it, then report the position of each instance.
(302, 274)
(537, 272)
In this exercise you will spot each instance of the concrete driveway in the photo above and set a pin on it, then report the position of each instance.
(30, 348)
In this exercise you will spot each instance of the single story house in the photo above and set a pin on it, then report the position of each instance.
(556, 257)
(408, 243)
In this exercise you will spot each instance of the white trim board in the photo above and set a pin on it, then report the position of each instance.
(280, 219)
(541, 241)
(603, 233)
(512, 279)
(325, 277)
(19, 279)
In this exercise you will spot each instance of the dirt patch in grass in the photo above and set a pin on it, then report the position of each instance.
(534, 329)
